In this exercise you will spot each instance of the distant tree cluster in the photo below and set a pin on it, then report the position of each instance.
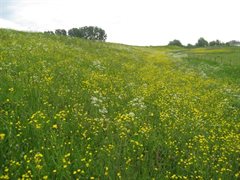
(175, 42)
(62, 32)
(86, 32)
(233, 43)
(204, 43)
(215, 43)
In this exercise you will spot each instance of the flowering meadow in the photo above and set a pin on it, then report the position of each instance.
(79, 109)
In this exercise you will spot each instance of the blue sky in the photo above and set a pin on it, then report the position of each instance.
(135, 22)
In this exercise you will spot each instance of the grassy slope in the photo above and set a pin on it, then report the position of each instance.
(219, 63)
(73, 108)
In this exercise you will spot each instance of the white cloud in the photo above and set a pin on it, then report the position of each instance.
(139, 22)
(11, 25)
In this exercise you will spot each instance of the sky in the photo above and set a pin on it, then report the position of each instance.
(133, 22)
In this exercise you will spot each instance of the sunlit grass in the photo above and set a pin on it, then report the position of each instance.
(77, 109)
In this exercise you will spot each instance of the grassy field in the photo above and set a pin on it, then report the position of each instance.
(77, 109)
(219, 63)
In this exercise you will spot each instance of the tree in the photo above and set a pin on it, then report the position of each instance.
(74, 32)
(201, 42)
(215, 43)
(62, 32)
(88, 32)
(93, 33)
(212, 43)
(175, 42)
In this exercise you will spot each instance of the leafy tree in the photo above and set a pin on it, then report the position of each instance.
(62, 32)
(215, 43)
(227, 44)
(175, 42)
(93, 33)
(74, 32)
(212, 43)
(201, 42)
(88, 32)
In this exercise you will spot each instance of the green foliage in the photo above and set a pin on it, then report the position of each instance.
(175, 43)
(201, 42)
(88, 32)
(61, 32)
(216, 43)
(77, 109)
(74, 32)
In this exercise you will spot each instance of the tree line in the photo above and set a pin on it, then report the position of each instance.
(96, 33)
(204, 43)
(86, 32)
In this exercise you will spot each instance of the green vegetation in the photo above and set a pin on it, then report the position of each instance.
(175, 42)
(218, 63)
(61, 32)
(86, 32)
(77, 109)
(201, 42)
(204, 43)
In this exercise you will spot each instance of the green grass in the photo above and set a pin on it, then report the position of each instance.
(219, 63)
(78, 109)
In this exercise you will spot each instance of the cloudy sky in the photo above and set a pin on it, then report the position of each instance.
(134, 22)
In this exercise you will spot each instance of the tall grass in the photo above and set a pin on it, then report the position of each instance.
(76, 109)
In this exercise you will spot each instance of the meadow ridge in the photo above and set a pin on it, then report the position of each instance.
(79, 109)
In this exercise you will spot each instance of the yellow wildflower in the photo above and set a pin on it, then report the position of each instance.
(55, 126)
(2, 136)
